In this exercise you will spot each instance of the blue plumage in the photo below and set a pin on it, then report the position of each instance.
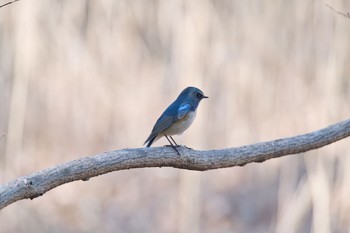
(178, 116)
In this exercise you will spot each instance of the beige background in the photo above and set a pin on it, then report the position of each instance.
(81, 77)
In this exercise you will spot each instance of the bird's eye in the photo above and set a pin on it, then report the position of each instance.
(199, 95)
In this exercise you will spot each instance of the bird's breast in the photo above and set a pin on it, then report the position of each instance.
(181, 125)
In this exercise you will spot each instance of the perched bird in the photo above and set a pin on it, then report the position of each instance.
(177, 117)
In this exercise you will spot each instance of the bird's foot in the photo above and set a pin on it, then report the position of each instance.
(172, 146)
(175, 148)
(183, 146)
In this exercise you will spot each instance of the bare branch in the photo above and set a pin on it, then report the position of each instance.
(346, 15)
(8, 3)
(40, 182)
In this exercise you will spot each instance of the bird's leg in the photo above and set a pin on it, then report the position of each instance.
(166, 136)
(172, 145)
(172, 139)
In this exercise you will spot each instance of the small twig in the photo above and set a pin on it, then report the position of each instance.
(346, 15)
(8, 3)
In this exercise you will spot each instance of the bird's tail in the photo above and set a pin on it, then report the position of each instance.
(149, 141)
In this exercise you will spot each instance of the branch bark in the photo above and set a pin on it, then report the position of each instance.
(38, 183)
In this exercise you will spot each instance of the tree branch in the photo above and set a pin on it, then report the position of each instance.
(40, 182)
(346, 15)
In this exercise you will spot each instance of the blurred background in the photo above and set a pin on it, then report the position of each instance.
(78, 78)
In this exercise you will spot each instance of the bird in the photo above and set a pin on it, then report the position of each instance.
(177, 117)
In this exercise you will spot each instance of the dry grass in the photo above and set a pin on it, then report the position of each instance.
(81, 77)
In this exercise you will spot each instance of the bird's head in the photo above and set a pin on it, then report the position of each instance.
(192, 95)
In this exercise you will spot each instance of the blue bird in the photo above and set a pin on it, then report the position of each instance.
(177, 117)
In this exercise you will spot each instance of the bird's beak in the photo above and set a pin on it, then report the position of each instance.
(205, 97)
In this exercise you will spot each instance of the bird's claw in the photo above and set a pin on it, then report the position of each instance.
(172, 146)
(188, 147)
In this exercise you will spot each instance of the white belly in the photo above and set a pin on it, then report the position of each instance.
(181, 125)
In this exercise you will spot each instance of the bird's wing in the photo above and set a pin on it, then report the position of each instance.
(183, 111)
(172, 114)
(164, 122)
(169, 117)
